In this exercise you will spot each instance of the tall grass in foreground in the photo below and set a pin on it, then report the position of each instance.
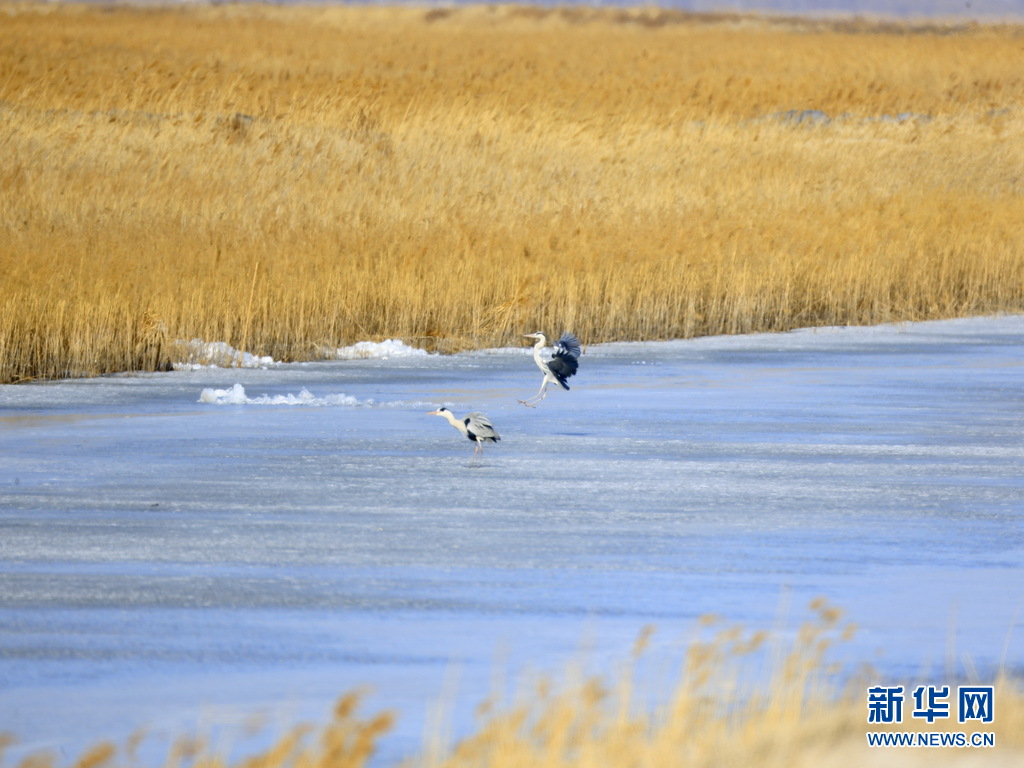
(292, 179)
(739, 698)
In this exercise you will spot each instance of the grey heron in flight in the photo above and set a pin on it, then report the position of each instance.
(563, 363)
(475, 426)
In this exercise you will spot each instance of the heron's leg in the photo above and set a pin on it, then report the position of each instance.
(539, 396)
(532, 401)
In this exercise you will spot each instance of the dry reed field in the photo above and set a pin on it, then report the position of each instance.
(291, 179)
(801, 711)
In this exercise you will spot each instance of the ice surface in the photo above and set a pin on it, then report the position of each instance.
(259, 540)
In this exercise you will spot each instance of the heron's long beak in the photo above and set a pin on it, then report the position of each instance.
(433, 413)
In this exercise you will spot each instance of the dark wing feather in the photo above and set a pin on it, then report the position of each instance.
(479, 427)
(568, 345)
(562, 368)
(564, 362)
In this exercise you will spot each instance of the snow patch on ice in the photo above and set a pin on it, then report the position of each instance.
(197, 354)
(236, 396)
(380, 350)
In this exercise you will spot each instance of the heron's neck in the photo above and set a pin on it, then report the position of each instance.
(536, 350)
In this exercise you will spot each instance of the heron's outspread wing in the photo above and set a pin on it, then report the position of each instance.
(568, 345)
(565, 360)
(479, 427)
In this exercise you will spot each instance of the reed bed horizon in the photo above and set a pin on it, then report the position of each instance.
(294, 179)
(736, 697)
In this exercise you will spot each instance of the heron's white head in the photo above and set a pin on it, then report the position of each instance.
(442, 411)
(538, 336)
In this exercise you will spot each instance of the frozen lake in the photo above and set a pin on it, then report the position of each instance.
(178, 552)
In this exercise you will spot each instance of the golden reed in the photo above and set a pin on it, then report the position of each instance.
(292, 179)
(737, 697)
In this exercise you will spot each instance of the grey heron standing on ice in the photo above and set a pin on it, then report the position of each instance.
(475, 426)
(563, 363)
